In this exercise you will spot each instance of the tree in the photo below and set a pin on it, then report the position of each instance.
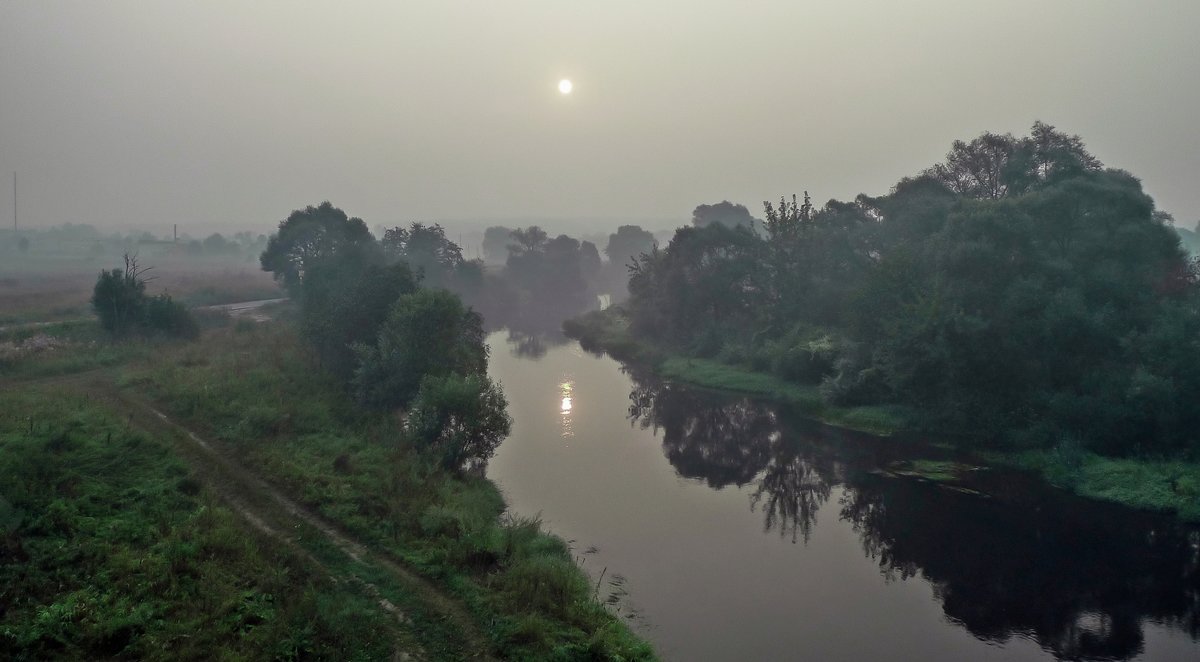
(589, 261)
(308, 236)
(428, 332)
(707, 286)
(496, 240)
(461, 419)
(215, 244)
(978, 169)
(426, 249)
(722, 213)
(993, 166)
(344, 301)
(120, 301)
(627, 243)
(526, 240)
(119, 296)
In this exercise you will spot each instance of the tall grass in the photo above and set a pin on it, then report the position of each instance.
(110, 548)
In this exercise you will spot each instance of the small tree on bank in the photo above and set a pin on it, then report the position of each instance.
(460, 419)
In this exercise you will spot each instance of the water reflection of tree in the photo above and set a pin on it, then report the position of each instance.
(533, 345)
(531, 336)
(1079, 578)
(697, 430)
(725, 441)
(790, 492)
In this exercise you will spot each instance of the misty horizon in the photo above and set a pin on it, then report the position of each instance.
(129, 116)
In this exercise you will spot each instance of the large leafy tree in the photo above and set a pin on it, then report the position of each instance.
(425, 248)
(344, 301)
(707, 285)
(722, 213)
(496, 240)
(308, 236)
(628, 242)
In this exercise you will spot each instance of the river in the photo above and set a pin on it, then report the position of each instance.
(727, 530)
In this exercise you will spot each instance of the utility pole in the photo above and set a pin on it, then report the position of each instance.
(14, 201)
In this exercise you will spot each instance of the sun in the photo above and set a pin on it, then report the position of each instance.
(565, 86)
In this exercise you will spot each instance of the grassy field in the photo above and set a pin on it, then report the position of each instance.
(110, 547)
(469, 581)
(1159, 485)
(54, 292)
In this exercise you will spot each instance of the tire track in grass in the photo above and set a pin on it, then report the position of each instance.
(440, 618)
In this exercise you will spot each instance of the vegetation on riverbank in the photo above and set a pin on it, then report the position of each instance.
(253, 390)
(110, 547)
(1145, 483)
(608, 330)
(386, 434)
(1017, 298)
(335, 438)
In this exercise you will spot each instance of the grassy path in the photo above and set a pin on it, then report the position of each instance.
(428, 623)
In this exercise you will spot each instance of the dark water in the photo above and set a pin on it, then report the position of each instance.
(738, 532)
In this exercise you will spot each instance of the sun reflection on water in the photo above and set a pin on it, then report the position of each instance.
(566, 422)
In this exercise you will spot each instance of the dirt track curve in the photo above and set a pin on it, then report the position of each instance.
(273, 513)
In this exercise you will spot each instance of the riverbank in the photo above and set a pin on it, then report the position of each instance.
(608, 331)
(467, 581)
(1147, 484)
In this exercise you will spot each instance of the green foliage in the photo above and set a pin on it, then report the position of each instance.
(707, 286)
(495, 244)
(109, 549)
(309, 236)
(428, 332)
(723, 213)
(461, 419)
(1014, 295)
(426, 250)
(119, 300)
(163, 315)
(292, 423)
(344, 302)
(627, 243)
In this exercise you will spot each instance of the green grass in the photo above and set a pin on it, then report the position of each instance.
(938, 471)
(254, 389)
(108, 547)
(880, 420)
(78, 346)
(608, 330)
(1166, 486)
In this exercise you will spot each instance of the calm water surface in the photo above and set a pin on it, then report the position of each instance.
(738, 532)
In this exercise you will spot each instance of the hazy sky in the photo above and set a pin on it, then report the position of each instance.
(229, 114)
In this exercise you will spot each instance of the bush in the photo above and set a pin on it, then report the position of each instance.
(120, 301)
(429, 332)
(460, 419)
(118, 298)
(162, 314)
